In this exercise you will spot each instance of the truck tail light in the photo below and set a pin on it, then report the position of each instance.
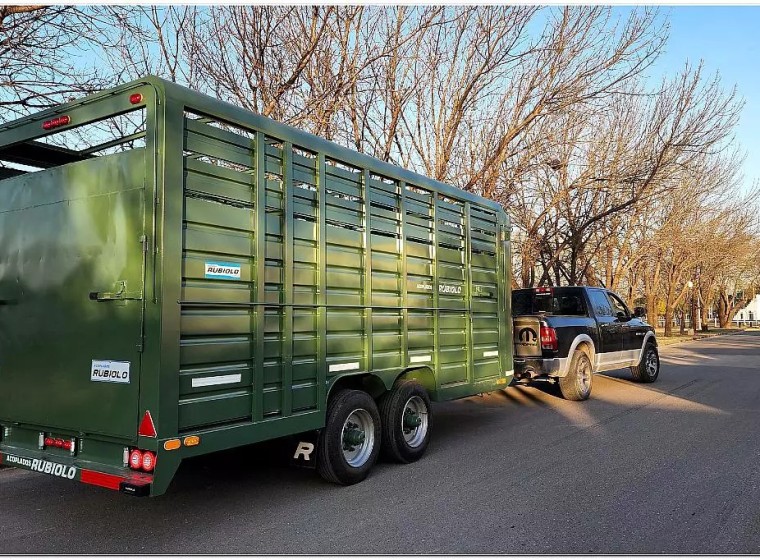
(136, 459)
(135, 98)
(142, 460)
(148, 461)
(56, 122)
(549, 338)
(546, 290)
(60, 443)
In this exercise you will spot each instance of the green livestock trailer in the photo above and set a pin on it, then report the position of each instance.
(179, 276)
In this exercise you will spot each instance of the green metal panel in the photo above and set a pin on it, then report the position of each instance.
(71, 249)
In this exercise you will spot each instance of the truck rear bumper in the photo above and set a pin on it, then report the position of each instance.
(531, 368)
(71, 468)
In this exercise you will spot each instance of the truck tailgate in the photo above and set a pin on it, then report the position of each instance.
(527, 341)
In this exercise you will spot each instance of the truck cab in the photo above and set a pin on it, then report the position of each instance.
(566, 334)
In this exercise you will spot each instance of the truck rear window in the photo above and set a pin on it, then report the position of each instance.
(567, 301)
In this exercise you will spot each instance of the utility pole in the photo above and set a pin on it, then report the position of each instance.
(699, 297)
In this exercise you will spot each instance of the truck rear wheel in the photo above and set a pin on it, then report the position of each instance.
(576, 385)
(350, 441)
(649, 366)
(405, 414)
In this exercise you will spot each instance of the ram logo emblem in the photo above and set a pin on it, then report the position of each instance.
(527, 335)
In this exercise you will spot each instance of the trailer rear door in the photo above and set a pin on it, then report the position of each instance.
(72, 266)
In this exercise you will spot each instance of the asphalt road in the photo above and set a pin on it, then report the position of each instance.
(672, 467)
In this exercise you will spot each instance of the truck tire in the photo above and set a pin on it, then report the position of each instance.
(405, 413)
(576, 385)
(350, 441)
(648, 368)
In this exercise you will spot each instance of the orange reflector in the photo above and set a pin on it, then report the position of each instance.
(172, 444)
(192, 440)
(501, 381)
(147, 428)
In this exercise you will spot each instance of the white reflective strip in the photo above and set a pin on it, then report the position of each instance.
(490, 353)
(418, 359)
(509, 372)
(217, 380)
(344, 367)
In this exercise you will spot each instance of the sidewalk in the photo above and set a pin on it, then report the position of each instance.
(676, 338)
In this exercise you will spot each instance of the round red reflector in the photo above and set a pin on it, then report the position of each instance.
(67, 445)
(148, 461)
(49, 441)
(136, 459)
(63, 120)
(58, 443)
(135, 98)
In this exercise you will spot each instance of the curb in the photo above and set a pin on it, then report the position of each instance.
(702, 336)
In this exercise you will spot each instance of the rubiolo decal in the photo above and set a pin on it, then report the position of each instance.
(223, 270)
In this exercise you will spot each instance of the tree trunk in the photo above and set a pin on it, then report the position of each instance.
(668, 319)
(651, 308)
(724, 310)
(682, 330)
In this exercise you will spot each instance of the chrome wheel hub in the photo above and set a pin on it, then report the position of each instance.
(358, 437)
(584, 375)
(414, 421)
(651, 363)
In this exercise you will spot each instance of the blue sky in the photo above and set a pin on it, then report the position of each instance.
(727, 39)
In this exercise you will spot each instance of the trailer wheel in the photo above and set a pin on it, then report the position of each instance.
(406, 416)
(350, 441)
(649, 367)
(576, 385)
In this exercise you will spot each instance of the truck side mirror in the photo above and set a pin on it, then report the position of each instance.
(639, 311)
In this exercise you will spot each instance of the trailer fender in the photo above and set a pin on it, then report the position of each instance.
(424, 376)
(370, 383)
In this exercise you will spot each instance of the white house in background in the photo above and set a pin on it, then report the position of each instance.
(750, 313)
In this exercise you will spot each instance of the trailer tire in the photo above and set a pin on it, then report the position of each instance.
(349, 444)
(648, 369)
(407, 402)
(576, 385)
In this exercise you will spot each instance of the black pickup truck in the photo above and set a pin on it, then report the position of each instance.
(568, 333)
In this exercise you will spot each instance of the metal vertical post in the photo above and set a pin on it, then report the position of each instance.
(287, 263)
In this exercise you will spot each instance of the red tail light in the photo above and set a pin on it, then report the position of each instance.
(544, 290)
(56, 122)
(148, 461)
(549, 338)
(135, 98)
(60, 443)
(136, 459)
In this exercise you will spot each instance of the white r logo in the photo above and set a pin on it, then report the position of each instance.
(304, 448)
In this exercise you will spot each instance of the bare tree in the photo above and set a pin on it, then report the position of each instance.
(39, 66)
